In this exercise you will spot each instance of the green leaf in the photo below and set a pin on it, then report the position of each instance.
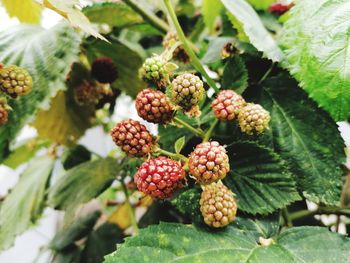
(101, 242)
(82, 183)
(186, 244)
(74, 232)
(106, 13)
(260, 179)
(317, 56)
(261, 4)
(179, 144)
(47, 55)
(306, 137)
(211, 9)
(75, 156)
(24, 205)
(19, 9)
(215, 46)
(253, 28)
(235, 75)
(126, 60)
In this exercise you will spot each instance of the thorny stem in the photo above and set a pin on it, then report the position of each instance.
(320, 211)
(150, 17)
(195, 61)
(130, 207)
(196, 131)
(175, 156)
(210, 131)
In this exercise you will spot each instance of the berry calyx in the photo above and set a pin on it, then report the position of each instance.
(209, 162)
(227, 105)
(104, 70)
(187, 91)
(179, 53)
(160, 177)
(154, 106)
(133, 138)
(86, 93)
(153, 69)
(218, 205)
(253, 119)
(15, 81)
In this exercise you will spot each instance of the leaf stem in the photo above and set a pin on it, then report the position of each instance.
(150, 17)
(287, 218)
(194, 60)
(267, 73)
(176, 156)
(210, 130)
(196, 131)
(320, 211)
(130, 207)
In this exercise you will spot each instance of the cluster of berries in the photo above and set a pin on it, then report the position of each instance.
(103, 72)
(208, 164)
(14, 82)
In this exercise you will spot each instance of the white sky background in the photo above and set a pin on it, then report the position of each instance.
(27, 245)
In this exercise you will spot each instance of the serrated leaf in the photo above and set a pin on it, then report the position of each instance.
(65, 122)
(211, 10)
(254, 29)
(179, 144)
(19, 9)
(101, 242)
(235, 75)
(106, 13)
(126, 60)
(261, 4)
(239, 27)
(306, 137)
(47, 55)
(24, 205)
(186, 244)
(317, 56)
(82, 183)
(260, 179)
(70, 10)
(215, 46)
(77, 230)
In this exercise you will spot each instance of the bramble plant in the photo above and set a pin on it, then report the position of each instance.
(229, 152)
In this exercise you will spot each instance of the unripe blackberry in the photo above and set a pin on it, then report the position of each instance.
(154, 106)
(153, 69)
(3, 114)
(218, 205)
(160, 177)
(280, 8)
(179, 53)
(253, 119)
(208, 162)
(133, 138)
(187, 91)
(104, 70)
(227, 105)
(15, 81)
(86, 93)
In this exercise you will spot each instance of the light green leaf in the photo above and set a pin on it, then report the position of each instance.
(79, 229)
(307, 138)
(82, 183)
(47, 55)
(254, 29)
(24, 205)
(318, 56)
(260, 179)
(261, 4)
(126, 60)
(215, 46)
(19, 9)
(186, 244)
(179, 144)
(211, 10)
(116, 14)
(235, 75)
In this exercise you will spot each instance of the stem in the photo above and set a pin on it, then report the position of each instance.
(320, 211)
(130, 208)
(195, 61)
(175, 156)
(150, 17)
(287, 217)
(196, 131)
(210, 131)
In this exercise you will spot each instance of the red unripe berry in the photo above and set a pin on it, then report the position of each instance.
(160, 177)
(227, 105)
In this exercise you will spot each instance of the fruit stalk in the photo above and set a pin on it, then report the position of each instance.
(197, 132)
(130, 208)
